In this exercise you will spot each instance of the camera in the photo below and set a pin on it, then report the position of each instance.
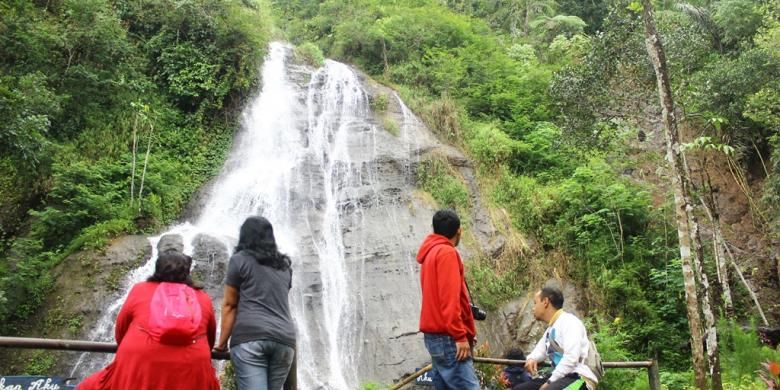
(478, 313)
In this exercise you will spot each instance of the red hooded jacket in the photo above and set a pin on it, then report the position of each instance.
(446, 305)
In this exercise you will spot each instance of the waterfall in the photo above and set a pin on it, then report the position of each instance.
(311, 158)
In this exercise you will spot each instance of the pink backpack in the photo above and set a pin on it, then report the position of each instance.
(174, 314)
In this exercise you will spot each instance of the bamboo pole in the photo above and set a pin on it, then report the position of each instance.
(651, 365)
(412, 377)
(74, 345)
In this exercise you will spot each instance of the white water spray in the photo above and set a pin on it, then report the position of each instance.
(305, 160)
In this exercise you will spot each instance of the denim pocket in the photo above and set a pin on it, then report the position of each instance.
(435, 346)
(442, 349)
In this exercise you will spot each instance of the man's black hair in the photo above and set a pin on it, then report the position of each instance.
(446, 223)
(554, 295)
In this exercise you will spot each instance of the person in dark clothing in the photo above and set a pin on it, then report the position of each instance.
(514, 375)
(255, 309)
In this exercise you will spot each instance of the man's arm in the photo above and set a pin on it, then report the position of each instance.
(449, 290)
(539, 354)
(450, 280)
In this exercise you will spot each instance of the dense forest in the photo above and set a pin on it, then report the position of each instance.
(116, 111)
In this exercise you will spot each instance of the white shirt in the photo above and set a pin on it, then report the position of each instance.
(569, 332)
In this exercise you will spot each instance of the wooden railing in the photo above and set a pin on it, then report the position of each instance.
(94, 346)
(651, 366)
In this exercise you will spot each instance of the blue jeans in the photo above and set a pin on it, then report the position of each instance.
(261, 364)
(448, 372)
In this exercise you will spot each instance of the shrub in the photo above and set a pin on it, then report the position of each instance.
(309, 54)
(437, 178)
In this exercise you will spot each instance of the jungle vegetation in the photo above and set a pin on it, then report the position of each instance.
(116, 111)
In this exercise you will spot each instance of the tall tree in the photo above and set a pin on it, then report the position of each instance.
(687, 227)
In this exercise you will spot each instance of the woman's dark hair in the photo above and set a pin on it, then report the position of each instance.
(174, 267)
(256, 239)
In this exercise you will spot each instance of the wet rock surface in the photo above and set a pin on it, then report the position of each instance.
(174, 242)
(209, 262)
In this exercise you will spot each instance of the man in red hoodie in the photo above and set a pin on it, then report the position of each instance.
(445, 319)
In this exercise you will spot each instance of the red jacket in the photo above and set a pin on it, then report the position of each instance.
(446, 305)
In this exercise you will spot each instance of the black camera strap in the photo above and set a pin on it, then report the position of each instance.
(471, 300)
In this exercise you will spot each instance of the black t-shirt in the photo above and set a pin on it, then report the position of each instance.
(263, 307)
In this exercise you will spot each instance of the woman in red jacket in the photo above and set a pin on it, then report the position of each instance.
(155, 351)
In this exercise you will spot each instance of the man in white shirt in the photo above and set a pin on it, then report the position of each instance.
(565, 343)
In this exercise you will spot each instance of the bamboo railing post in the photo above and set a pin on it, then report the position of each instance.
(653, 376)
(411, 377)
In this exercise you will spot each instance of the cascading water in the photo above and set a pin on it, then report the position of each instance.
(312, 159)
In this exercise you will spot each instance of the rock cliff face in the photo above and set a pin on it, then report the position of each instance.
(331, 159)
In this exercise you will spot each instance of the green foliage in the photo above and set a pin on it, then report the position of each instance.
(57, 319)
(490, 288)
(27, 104)
(725, 87)
(389, 125)
(591, 12)
(82, 194)
(310, 54)
(742, 353)
(439, 179)
(489, 145)
(378, 103)
(738, 19)
(40, 363)
(611, 340)
(543, 154)
(79, 77)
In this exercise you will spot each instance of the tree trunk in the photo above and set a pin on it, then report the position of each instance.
(719, 251)
(135, 148)
(711, 329)
(146, 163)
(384, 59)
(527, 21)
(723, 270)
(682, 205)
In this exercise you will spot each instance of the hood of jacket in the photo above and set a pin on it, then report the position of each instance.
(433, 240)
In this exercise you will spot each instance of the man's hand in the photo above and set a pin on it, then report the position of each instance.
(530, 366)
(220, 348)
(464, 350)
